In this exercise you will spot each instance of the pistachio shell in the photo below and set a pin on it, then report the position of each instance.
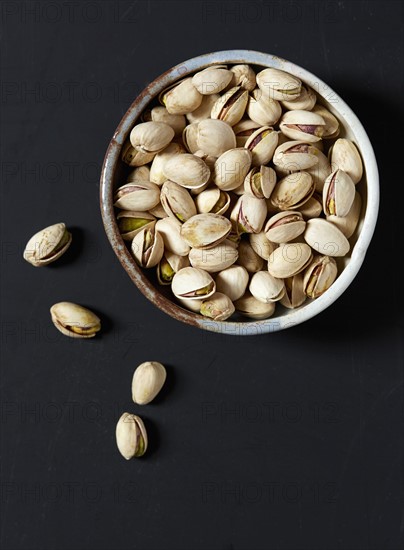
(170, 230)
(348, 223)
(262, 144)
(157, 168)
(193, 283)
(177, 201)
(312, 208)
(289, 259)
(130, 223)
(260, 182)
(338, 194)
(261, 245)
(187, 170)
(138, 196)
(306, 100)
(218, 307)
(231, 168)
(177, 122)
(214, 259)
(193, 305)
(151, 137)
(243, 76)
(262, 109)
(158, 211)
(75, 320)
(205, 230)
(302, 125)
(182, 98)
(204, 109)
(294, 294)
(249, 213)
(346, 157)
(278, 84)
(266, 288)
(139, 173)
(214, 137)
(285, 226)
(230, 106)
(253, 308)
(296, 155)
(211, 80)
(292, 191)
(135, 156)
(326, 238)
(320, 171)
(148, 247)
(169, 264)
(243, 130)
(131, 436)
(319, 276)
(47, 245)
(232, 281)
(147, 381)
(248, 258)
(213, 201)
(331, 128)
(189, 137)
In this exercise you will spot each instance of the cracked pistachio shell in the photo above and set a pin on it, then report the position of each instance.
(191, 304)
(189, 137)
(346, 157)
(148, 247)
(214, 137)
(306, 100)
(262, 109)
(231, 168)
(181, 98)
(151, 137)
(193, 283)
(285, 226)
(177, 201)
(212, 200)
(253, 308)
(331, 128)
(214, 259)
(232, 281)
(158, 211)
(260, 182)
(292, 191)
(205, 230)
(266, 288)
(248, 214)
(147, 381)
(248, 258)
(75, 320)
(169, 264)
(138, 196)
(131, 436)
(47, 245)
(262, 144)
(135, 156)
(243, 76)
(312, 208)
(302, 125)
(320, 171)
(204, 109)
(348, 223)
(157, 168)
(289, 259)
(139, 173)
(319, 276)
(212, 80)
(231, 105)
(170, 230)
(294, 294)
(130, 223)
(325, 237)
(243, 130)
(177, 122)
(187, 170)
(296, 155)
(261, 245)
(279, 85)
(338, 194)
(218, 307)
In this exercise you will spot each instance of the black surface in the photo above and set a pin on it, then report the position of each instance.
(287, 441)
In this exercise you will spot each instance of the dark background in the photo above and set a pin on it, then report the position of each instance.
(285, 441)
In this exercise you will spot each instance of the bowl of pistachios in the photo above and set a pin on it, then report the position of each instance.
(240, 193)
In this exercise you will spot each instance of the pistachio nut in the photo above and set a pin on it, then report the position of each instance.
(218, 307)
(232, 281)
(348, 223)
(306, 100)
(312, 208)
(138, 196)
(158, 211)
(248, 258)
(181, 98)
(191, 304)
(212, 200)
(211, 80)
(193, 283)
(205, 230)
(278, 84)
(148, 246)
(135, 156)
(75, 320)
(177, 201)
(325, 237)
(157, 168)
(319, 276)
(214, 259)
(262, 109)
(243, 76)
(131, 436)
(294, 294)
(249, 213)
(177, 122)
(285, 226)
(250, 307)
(302, 125)
(331, 128)
(260, 181)
(151, 137)
(47, 245)
(243, 130)
(139, 173)
(261, 245)
(169, 264)
(262, 144)
(230, 106)
(214, 137)
(320, 171)
(147, 381)
(289, 259)
(170, 230)
(292, 191)
(345, 156)
(187, 170)
(266, 288)
(131, 222)
(296, 155)
(189, 137)
(338, 194)
(204, 109)
(231, 168)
